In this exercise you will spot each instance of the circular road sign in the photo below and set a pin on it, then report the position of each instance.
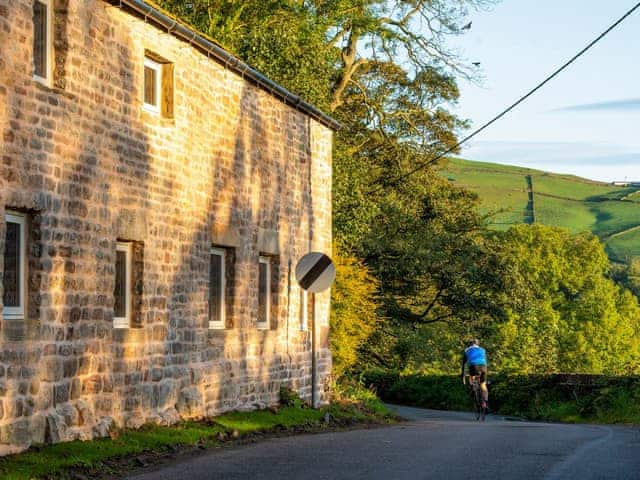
(315, 272)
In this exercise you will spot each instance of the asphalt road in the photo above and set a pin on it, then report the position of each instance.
(432, 445)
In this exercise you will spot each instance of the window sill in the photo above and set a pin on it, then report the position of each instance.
(49, 88)
(129, 334)
(151, 109)
(156, 117)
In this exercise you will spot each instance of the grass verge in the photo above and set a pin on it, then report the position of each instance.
(128, 449)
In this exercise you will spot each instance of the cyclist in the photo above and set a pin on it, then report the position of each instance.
(476, 357)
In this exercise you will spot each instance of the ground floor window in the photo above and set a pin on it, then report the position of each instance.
(217, 286)
(14, 275)
(264, 292)
(122, 290)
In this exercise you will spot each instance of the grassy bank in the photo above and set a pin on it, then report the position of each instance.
(564, 201)
(562, 398)
(134, 449)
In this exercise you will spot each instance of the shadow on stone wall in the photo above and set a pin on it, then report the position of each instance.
(63, 157)
(88, 172)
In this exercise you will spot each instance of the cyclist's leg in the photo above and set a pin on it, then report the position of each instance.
(483, 384)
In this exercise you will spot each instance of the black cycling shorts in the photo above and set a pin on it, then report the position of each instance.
(475, 370)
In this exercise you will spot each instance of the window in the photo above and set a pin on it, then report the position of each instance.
(304, 310)
(152, 85)
(42, 40)
(217, 287)
(14, 277)
(264, 292)
(122, 290)
(158, 85)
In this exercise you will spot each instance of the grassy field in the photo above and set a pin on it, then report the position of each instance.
(566, 201)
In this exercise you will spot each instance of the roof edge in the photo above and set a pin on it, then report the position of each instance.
(180, 30)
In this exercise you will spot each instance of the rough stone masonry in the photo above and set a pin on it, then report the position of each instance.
(223, 163)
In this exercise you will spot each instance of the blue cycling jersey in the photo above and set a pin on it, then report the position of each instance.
(475, 355)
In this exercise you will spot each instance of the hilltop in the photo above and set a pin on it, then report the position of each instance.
(522, 195)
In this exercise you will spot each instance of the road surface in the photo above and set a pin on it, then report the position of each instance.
(433, 445)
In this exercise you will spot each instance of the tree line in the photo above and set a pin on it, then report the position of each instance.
(418, 270)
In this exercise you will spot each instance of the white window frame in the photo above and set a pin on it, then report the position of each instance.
(49, 46)
(263, 325)
(17, 313)
(304, 317)
(148, 62)
(125, 322)
(223, 313)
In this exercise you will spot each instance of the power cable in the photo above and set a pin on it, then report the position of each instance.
(513, 105)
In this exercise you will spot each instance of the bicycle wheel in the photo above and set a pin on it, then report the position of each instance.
(477, 401)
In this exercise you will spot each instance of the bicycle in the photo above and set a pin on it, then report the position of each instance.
(476, 396)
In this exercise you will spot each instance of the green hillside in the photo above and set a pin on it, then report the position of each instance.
(512, 195)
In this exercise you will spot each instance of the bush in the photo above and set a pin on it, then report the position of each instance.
(570, 398)
(290, 398)
(434, 391)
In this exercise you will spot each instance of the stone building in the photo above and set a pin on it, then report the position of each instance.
(156, 195)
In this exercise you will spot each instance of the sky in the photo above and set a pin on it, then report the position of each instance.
(586, 121)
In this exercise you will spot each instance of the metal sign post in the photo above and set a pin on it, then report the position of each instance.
(315, 272)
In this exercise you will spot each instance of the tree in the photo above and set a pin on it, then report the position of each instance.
(383, 69)
(354, 315)
(566, 314)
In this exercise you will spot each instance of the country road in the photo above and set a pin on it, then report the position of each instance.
(431, 445)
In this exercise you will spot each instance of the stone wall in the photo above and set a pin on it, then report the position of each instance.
(234, 167)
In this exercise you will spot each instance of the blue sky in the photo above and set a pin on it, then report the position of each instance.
(587, 120)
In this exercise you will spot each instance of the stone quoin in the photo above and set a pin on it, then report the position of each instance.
(154, 203)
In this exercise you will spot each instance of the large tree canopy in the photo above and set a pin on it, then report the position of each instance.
(415, 251)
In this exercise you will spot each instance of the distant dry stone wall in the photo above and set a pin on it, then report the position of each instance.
(232, 166)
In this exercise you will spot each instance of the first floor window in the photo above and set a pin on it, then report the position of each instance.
(152, 83)
(14, 277)
(122, 289)
(264, 292)
(42, 39)
(217, 288)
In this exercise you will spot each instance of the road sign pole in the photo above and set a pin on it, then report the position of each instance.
(315, 272)
(314, 359)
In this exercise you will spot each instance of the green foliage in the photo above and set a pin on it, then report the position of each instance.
(536, 397)
(290, 398)
(353, 313)
(350, 392)
(566, 314)
(428, 391)
(628, 276)
(283, 39)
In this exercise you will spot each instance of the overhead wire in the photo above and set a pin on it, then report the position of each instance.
(550, 77)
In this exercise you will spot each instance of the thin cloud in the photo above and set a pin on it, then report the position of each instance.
(625, 105)
(589, 160)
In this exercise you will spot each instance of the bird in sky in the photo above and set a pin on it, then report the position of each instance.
(467, 26)
(475, 64)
